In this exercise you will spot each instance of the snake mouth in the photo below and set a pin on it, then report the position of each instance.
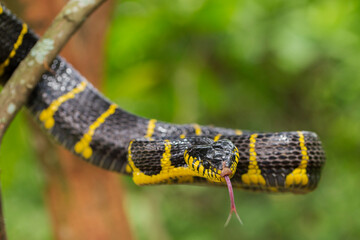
(226, 171)
(229, 168)
(213, 169)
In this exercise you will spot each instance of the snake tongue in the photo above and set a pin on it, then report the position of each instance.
(231, 195)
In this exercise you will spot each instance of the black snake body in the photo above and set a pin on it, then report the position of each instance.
(154, 152)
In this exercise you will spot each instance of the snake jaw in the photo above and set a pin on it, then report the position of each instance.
(231, 168)
(213, 160)
(198, 169)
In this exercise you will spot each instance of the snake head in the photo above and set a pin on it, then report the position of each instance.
(212, 160)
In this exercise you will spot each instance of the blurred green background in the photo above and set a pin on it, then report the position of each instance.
(269, 65)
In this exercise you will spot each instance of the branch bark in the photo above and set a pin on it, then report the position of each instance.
(17, 90)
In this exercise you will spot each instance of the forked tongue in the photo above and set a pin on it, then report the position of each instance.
(233, 208)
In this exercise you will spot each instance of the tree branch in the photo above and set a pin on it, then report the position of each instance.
(17, 90)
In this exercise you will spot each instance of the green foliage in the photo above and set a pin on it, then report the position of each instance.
(270, 65)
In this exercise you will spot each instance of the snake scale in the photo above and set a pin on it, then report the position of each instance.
(80, 118)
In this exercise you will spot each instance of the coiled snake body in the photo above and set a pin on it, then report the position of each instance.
(155, 152)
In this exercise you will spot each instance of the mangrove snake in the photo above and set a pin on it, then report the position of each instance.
(154, 152)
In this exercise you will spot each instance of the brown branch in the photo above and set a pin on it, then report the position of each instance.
(17, 90)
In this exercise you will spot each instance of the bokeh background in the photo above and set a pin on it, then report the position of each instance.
(269, 65)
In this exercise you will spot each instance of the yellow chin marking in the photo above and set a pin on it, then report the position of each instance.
(47, 115)
(83, 146)
(298, 176)
(194, 164)
(17, 44)
(1, 9)
(234, 166)
(167, 174)
(211, 175)
(253, 177)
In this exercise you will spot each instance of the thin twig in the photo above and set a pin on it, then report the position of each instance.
(17, 90)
